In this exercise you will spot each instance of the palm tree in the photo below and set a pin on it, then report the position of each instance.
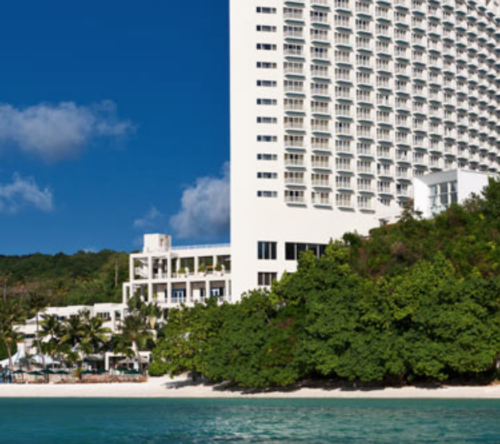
(51, 331)
(72, 330)
(94, 335)
(51, 328)
(134, 334)
(37, 304)
(12, 313)
(152, 312)
(28, 359)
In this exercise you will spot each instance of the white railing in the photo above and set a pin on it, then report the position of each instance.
(199, 247)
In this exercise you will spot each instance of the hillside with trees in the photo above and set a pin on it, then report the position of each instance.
(79, 279)
(416, 301)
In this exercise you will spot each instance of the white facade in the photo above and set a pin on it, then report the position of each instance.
(110, 313)
(338, 105)
(173, 276)
(436, 192)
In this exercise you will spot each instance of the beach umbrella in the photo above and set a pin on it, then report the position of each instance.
(88, 372)
(101, 372)
(47, 371)
(62, 372)
(133, 372)
(19, 372)
(35, 373)
(122, 369)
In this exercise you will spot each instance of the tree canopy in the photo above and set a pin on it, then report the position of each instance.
(418, 300)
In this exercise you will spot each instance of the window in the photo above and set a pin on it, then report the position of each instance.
(266, 28)
(267, 139)
(178, 295)
(266, 279)
(267, 251)
(266, 47)
(294, 250)
(267, 157)
(217, 291)
(267, 102)
(267, 65)
(264, 10)
(271, 120)
(265, 175)
(442, 195)
(267, 83)
(269, 194)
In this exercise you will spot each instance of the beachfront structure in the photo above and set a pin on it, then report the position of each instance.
(436, 192)
(111, 313)
(182, 275)
(338, 106)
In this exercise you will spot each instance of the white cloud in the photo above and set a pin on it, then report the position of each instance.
(24, 192)
(205, 209)
(152, 220)
(58, 131)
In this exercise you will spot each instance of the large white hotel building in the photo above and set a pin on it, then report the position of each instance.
(341, 111)
(338, 106)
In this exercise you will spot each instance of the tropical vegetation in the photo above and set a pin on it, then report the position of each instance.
(416, 301)
(79, 338)
(84, 278)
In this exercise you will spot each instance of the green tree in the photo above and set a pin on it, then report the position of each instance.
(185, 339)
(12, 313)
(134, 334)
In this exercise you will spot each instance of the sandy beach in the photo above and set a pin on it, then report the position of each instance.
(182, 388)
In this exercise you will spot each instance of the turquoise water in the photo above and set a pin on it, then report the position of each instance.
(137, 421)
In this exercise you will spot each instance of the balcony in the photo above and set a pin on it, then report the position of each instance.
(294, 89)
(294, 52)
(294, 70)
(321, 146)
(294, 125)
(385, 190)
(294, 163)
(320, 55)
(319, 109)
(295, 200)
(321, 127)
(295, 180)
(320, 72)
(364, 169)
(294, 34)
(385, 155)
(319, 199)
(321, 183)
(321, 164)
(320, 91)
(319, 18)
(293, 15)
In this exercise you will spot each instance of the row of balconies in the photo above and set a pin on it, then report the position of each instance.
(432, 94)
(417, 20)
(364, 203)
(386, 154)
(367, 62)
(298, 124)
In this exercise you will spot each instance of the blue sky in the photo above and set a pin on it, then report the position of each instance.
(114, 120)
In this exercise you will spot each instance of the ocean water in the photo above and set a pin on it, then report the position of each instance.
(138, 421)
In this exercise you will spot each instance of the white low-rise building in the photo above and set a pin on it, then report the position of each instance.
(436, 192)
(173, 276)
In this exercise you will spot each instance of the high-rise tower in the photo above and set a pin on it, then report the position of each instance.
(337, 105)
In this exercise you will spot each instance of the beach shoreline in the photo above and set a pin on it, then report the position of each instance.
(183, 388)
